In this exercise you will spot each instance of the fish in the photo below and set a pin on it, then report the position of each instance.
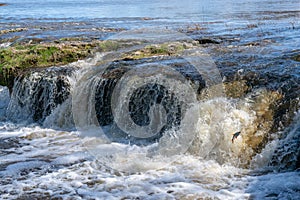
(235, 135)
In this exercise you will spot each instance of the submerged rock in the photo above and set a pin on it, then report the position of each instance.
(297, 58)
(207, 41)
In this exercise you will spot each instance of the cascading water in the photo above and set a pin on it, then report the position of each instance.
(4, 96)
(46, 97)
(287, 153)
(78, 107)
(36, 94)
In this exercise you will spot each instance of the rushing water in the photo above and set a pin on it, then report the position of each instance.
(63, 130)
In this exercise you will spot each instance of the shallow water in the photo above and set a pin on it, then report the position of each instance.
(47, 157)
(190, 10)
(69, 18)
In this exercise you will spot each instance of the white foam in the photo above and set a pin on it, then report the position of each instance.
(218, 119)
(262, 159)
(71, 158)
(65, 170)
(15, 169)
(58, 163)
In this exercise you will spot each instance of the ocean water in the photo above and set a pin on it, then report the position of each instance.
(54, 156)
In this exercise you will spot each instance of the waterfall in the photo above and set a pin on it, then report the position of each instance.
(37, 93)
(127, 102)
(287, 153)
(4, 101)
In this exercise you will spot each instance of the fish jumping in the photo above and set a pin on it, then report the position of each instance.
(235, 135)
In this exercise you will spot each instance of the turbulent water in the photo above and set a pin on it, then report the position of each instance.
(159, 127)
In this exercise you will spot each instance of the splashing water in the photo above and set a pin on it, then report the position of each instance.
(195, 157)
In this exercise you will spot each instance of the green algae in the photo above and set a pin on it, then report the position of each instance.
(15, 59)
(165, 49)
(18, 58)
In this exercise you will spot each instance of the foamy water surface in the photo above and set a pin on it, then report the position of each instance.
(39, 162)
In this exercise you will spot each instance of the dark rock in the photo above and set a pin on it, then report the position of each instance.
(296, 58)
(207, 41)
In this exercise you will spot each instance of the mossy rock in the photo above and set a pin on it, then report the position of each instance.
(18, 58)
(15, 59)
(164, 49)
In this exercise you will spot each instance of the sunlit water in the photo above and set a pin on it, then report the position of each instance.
(49, 159)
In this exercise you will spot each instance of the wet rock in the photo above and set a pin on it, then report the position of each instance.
(236, 89)
(7, 78)
(165, 49)
(12, 30)
(252, 44)
(192, 28)
(207, 41)
(296, 58)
